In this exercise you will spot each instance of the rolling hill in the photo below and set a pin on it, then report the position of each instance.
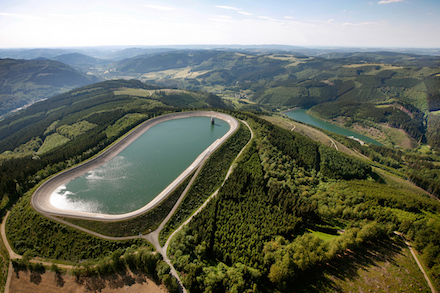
(62, 118)
(290, 215)
(80, 61)
(355, 89)
(24, 82)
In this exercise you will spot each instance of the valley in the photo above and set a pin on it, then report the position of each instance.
(279, 205)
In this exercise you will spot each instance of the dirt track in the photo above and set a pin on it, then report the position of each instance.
(41, 198)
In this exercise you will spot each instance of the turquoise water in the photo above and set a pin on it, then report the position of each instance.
(143, 169)
(302, 116)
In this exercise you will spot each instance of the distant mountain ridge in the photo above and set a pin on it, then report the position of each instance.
(124, 52)
(352, 86)
(82, 62)
(98, 104)
(23, 82)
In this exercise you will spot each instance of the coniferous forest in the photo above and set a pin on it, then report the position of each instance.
(259, 233)
(296, 211)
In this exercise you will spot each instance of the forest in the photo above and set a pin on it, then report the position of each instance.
(27, 81)
(291, 210)
(23, 166)
(255, 235)
(88, 120)
(384, 88)
(375, 88)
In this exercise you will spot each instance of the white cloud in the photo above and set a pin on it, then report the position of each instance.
(359, 23)
(159, 7)
(18, 15)
(389, 1)
(244, 13)
(268, 18)
(228, 7)
(238, 10)
(221, 18)
(331, 20)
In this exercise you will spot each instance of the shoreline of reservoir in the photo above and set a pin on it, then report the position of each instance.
(41, 197)
(303, 117)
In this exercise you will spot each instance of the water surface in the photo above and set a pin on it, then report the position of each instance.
(302, 116)
(143, 169)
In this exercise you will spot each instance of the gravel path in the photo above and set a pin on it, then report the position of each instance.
(40, 197)
(414, 254)
(13, 255)
(154, 238)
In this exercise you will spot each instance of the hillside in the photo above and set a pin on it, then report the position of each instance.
(81, 62)
(378, 89)
(228, 66)
(294, 214)
(286, 194)
(24, 82)
(285, 221)
(361, 90)
(295, 80)
(62, 118)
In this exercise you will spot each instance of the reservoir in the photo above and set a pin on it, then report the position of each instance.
(302, 116)
(142, 170)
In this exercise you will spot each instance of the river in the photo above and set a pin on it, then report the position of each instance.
(302, 116)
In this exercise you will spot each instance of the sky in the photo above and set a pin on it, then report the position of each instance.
(307, 23)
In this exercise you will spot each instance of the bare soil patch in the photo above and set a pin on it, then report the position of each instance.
(399, 137)
(380, 266)
(25, 282)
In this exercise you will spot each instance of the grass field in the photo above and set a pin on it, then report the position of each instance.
(383, 266)
(398, 137)
(173, 73)
(143, 93)
(52, 141)
(236, 101)
(382, 66)
(134, 92)
(322, 235)
(23, 150)
(124, 122)
(398, 273)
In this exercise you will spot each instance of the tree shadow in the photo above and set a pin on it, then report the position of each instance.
(35, 277)
(345, 266)
(117, 280)
(17, 266)
(59, 281)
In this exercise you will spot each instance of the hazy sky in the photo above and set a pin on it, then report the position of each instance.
(355, 23)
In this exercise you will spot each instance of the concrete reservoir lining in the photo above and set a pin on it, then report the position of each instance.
(41, 197)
